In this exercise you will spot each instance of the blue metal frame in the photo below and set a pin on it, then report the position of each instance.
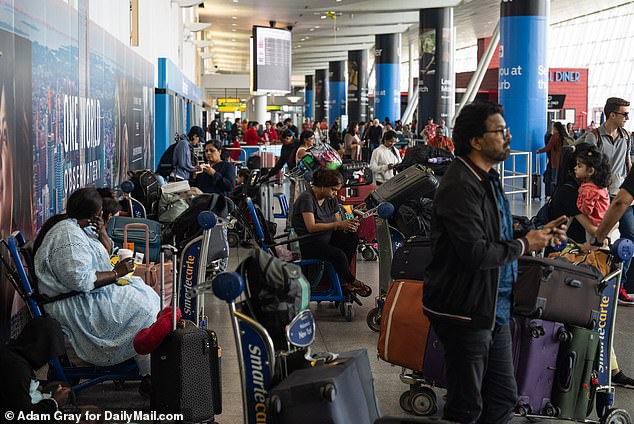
(332, 294)
(63, 370)
(281, 198)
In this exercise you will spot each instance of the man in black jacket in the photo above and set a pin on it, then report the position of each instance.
(468, 288)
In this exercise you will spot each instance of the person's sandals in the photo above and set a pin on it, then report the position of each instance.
(358, 288)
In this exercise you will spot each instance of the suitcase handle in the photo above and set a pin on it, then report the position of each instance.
(565, 378)
(574, 283)
(147, 237)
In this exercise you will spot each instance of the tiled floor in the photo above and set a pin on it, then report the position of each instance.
(335, 334)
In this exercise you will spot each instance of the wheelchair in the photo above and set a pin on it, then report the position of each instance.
(325, 283)
(23, 280)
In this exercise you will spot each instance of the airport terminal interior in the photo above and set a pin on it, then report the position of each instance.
(175, 108)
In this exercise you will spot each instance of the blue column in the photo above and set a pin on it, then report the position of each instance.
(321, 94)
(523, 77)
(336, 90)
(387, 64)
(436, 92)
(308, 98)
(357, 85)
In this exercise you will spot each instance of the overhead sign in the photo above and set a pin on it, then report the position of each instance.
(556, 101)
(229, 104)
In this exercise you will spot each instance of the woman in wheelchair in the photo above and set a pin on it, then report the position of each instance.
(72, 253)
(316, 212)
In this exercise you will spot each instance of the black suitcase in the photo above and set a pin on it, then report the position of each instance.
(186, 370)
(355, 173)
(339, 392)
(416, 181)
(536, 186)
(411, 260)
(554, 289)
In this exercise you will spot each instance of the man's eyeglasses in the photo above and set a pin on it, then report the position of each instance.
(626, 115)
(506, 131)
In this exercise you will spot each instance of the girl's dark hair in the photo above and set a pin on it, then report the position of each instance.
(305, 135)
(287, 133)
(561, 130)
(82, 203)
(593, 158)
(326, 178)
(110, 207)
(351, 126)
(567, 162)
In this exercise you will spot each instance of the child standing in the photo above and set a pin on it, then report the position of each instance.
(593, 174)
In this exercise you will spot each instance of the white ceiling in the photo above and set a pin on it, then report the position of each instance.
(317, 39)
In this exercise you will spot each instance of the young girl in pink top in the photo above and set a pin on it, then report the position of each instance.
(593, 174)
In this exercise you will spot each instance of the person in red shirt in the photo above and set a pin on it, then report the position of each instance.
(441, 141)
(270, 134)
(251, 137)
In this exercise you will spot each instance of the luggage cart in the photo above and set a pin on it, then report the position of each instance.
(421, 399)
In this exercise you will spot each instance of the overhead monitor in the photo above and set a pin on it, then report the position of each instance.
(271, 61)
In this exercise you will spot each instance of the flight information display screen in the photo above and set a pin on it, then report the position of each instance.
(271, 64)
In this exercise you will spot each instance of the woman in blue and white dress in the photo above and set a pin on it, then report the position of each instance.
(72, 254)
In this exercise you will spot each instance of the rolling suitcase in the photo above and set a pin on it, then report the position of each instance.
(411, 260)
(434, 364)
(116, 231)
(354, 195)
(546, 288)
(573, 391)
(417, 180)
(339, 392)
(404, 327)
(538, 343)
(186, 377)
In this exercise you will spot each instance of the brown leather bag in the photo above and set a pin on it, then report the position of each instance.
(404, 326)
(600, 259)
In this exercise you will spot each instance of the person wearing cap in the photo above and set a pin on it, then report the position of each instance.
(182, 158)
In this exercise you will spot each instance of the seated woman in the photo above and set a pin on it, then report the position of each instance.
(316, 211)
(72, 254)
(217, 176)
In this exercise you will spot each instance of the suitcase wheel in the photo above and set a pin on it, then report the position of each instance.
(523, 410)
(564, 335)
(423, 401)
(275, 404)
(329, 392)
(374, 319)
(404, 401)
(616, 416)
(551, 410)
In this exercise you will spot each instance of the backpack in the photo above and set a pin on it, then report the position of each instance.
(147, 190)
(413, 218)
(276, 292)
(165, 165)
(421, 154)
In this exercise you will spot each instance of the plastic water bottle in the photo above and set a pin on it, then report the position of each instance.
(436, 160)
(294, 244)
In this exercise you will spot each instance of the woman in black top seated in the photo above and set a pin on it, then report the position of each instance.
(316, 211)
(217, 176)
(564, 198)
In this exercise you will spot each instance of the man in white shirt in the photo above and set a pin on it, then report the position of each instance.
(384, 158)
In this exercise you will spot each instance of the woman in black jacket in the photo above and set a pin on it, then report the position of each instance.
(217, 176)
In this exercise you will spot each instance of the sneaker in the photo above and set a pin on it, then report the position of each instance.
(145, 387)
(624, 298)
(623, 380)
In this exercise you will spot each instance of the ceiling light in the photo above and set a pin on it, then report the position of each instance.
(234, 30)
(312, 29)
(322, 17)
(317, 26)
(234, 17)
(299, 45)
(234, 24)
(307, 37)
(235, 1)
(302, 39)
(233, 39)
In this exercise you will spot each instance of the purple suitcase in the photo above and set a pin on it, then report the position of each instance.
(538, 345)
(434, 362)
